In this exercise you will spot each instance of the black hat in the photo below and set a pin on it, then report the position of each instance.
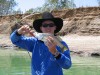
(48, 16)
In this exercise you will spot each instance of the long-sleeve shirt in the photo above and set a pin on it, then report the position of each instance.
(43, 62)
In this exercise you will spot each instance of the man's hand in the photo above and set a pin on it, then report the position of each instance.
(51, 44)
(24, 30)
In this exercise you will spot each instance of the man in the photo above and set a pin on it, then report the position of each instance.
(48, 58)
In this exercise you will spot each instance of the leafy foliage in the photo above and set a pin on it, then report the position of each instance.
(6, 6)
(50, 5)
(59, 4)
(98, 2)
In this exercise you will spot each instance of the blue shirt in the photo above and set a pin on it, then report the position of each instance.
(43, 62)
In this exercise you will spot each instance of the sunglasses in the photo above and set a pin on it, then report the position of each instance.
(48, 25)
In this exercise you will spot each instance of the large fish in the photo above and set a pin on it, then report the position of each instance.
(57, 39)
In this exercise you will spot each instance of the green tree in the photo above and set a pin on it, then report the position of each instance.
(50, 5)
(18, 11)
(98, 2)
(7, 6)
(30, 10)
(59, 4)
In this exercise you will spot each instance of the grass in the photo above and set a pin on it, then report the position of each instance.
(18, 63)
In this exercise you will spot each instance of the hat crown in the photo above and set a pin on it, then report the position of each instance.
(47, 15)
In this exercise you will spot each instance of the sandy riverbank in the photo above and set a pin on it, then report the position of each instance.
(76, 43)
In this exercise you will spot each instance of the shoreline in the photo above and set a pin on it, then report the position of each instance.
(82, 45)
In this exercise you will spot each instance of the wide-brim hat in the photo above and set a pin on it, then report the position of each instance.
(48, 16)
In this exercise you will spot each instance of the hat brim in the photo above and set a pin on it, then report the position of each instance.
(58, 22)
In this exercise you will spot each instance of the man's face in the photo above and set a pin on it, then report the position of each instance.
(48, 27)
